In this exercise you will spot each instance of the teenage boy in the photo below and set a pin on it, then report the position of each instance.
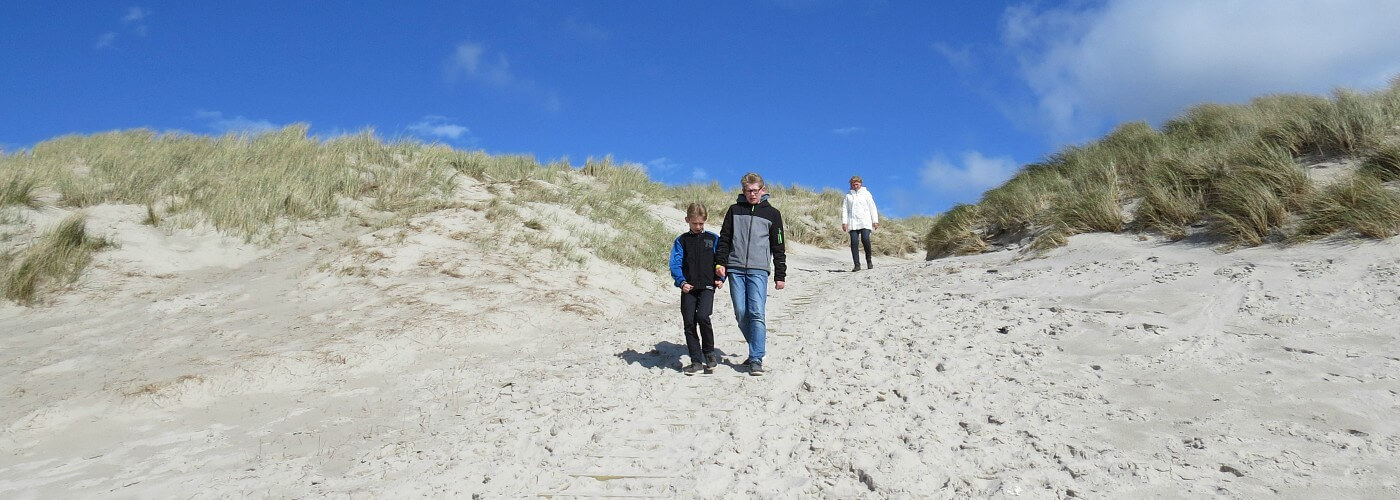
(751, 235)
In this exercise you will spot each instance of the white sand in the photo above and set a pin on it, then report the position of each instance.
(425, 362)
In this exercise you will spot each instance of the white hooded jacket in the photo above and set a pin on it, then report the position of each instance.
(858, 211)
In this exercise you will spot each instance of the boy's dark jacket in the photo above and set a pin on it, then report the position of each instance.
(751, 235)
(693, 259)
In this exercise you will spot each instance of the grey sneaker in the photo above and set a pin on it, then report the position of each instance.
(693, 368)
(755, 368)
(711, 360)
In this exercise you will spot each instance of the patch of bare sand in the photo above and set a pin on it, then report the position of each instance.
(1112, 367)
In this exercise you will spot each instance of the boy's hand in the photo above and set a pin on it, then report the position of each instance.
(719, 284)
(719, 271)
(843, 228)
(779, 284)
(686, 288)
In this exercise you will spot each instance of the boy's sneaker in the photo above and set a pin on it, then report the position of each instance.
(709, 369)
(755, 368)
(693, 368)
(869, 264)
(711, 360)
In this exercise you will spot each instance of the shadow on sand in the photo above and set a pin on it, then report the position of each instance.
(665, 355)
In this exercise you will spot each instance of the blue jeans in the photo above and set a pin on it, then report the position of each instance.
(748, 288)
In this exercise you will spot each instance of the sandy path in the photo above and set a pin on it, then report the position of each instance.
(1114, 367)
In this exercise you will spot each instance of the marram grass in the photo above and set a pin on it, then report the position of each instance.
(56, 260)
(1235, 169)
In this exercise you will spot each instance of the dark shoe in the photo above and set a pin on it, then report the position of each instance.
(711, 360)
(857, 268)
(755, 368)
(709, 370)
(693, 368)
(869, 265)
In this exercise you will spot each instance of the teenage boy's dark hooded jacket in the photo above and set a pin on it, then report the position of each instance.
(750, 236)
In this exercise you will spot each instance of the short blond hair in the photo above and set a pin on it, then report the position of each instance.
(856, 178)
(696, 209)
(751, 178)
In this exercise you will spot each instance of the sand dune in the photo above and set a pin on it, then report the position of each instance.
(415, 361)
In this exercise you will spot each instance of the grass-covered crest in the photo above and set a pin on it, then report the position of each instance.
(1232, 173)
(260, 186)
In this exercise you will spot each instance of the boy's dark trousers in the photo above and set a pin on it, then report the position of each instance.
(695, 310)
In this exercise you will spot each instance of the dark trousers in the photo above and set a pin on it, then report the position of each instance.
(695, 310)
(860, 236)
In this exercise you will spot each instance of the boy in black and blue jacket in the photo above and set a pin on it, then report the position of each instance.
(694, 272)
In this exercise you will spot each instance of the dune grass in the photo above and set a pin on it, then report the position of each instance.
(259, 186)
(956, 232)
(1234, 171)
(56, 260)
(18, 189)
(1361, 205)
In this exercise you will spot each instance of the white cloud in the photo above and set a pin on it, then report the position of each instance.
(135, 15)
(474, 62)
(1124, 60)
(107, 40)
(134, 20)
(662, 165)
(975, 173)
(220, 124)
(958, 57)
(847, 130)
(438, 126)
(699, 175)
(470, 60)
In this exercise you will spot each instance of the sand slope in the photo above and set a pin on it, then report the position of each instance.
(413, 362)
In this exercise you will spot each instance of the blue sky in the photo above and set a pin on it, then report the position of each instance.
(932, 102)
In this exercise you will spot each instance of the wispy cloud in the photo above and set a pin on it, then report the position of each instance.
(474, 62)
(439, 126)
(106, 40)
(973, 173)
(220, 124)
(134, 21)
(135, 15)
(847, 130)
(959, 57)
(1122, 60)
(662, 165)
(699, 175)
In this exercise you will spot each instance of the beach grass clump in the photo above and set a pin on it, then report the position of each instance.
(19, 190)
(955, 232)
(1090, 201)
(1172, 194)
(1212, 124)
(1258, 187)
(1017, 204)
(1348, 123)
(1360, 204)
(1383, 164)
(55, 260)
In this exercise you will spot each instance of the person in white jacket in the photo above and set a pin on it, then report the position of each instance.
(859, 217)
